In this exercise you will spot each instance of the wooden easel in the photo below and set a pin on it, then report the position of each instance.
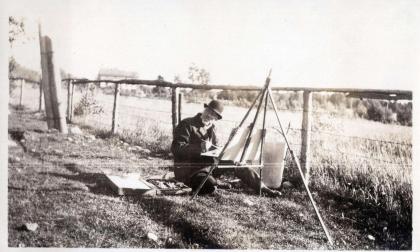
(263, 97)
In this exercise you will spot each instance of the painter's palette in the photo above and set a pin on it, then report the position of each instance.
(169, 186)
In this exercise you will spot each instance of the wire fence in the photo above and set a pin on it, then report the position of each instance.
(328, 134)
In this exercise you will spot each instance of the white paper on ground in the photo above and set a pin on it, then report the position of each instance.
(128, 182)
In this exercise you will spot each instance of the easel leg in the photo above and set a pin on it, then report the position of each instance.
(263, 137)
(300, 171)
(260, 181)
(204, 181)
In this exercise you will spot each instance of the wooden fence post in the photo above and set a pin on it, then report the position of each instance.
(180, 98)
(174, 108)
(115, 109)
(71, 101)
(305, 151)
(54, 81)
(22, 83)
(40, 96)
(44, 81)
(68, 100)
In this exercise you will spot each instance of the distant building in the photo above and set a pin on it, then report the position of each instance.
(116, 74)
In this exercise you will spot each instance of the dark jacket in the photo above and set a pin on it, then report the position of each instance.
(186, 147)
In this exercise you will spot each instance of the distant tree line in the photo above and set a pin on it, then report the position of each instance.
(337, 103)
(17, 70)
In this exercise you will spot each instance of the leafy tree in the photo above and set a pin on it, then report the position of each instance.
(177, 79)
(88, 105)
(198, 75)
(378, 111)
(160, 91)
(337, 99)
(404, 113)
(359, 109)
(16, 29)
(295, 100)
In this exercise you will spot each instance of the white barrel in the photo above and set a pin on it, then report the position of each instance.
(273, 156)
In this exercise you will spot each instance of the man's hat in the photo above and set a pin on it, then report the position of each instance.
(216, 107)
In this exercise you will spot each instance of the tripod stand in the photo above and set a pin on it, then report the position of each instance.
(262, 97)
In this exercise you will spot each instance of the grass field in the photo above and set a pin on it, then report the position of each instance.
(368, 182)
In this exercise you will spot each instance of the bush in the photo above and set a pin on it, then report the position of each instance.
(337, 99)
(295, 101)
(12, 86)
(378, 111)
(360, 110)
(239, 98)
(404, 113)
(88, 104)
(161, 92)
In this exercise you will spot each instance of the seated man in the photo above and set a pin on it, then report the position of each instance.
(196, 135)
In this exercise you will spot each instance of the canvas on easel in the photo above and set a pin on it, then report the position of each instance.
(236, 146)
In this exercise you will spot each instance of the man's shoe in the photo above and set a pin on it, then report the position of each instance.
(270, 193)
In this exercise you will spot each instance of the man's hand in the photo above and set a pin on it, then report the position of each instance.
(205, 146)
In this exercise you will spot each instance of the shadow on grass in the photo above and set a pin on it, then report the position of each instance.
(390, 230)
(42, 189)
(178, 220)
(96, 182)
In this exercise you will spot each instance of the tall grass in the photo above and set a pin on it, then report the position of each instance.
(149, 134)
(372, 172)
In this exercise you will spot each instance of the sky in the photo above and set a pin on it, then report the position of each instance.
(360, 44)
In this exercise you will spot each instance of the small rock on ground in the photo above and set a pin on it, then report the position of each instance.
(75, 130)
(248, 202)
(12, 143)
(30, 226)
(152, 237)
(53, 131)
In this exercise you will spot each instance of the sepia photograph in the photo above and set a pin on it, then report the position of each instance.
(265, 125)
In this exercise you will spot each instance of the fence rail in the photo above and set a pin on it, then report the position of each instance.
(361, 93)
